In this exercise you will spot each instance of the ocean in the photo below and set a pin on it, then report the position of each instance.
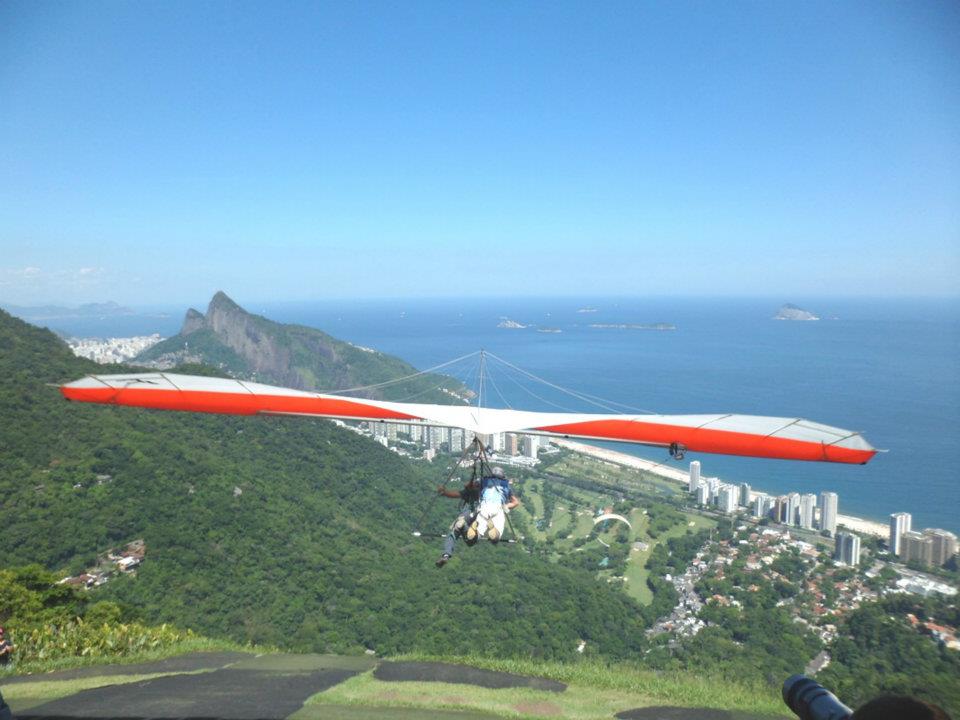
(889, 368)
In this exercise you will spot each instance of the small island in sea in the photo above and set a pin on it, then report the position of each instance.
(511, 324)
(789, 311)
(635, 326)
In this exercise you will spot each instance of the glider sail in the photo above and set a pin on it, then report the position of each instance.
(746, 435)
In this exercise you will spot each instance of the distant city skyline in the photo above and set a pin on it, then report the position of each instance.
(155, 153)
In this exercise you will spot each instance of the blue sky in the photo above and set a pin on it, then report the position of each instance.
(156, 152)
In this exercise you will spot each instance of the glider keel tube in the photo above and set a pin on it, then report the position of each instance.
(746, 435)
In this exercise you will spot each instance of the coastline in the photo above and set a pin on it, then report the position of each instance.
(860, 525)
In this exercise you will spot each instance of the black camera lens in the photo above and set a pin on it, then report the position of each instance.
(809, 700)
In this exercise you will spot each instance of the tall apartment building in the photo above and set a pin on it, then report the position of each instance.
(703, 494)
(744, 494)
(511, 446)
(944, 545)
(793, 508)
(780, 508)
(714, 485)
(759, 505)
(828, 511)
(529, 446)
(847, 548)
(916, 546)
(808, 504)
(694, 476)
(899, 524)
(727, 498)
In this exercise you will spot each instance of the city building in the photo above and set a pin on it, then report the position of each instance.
(457, 440)
(944, 545)
(759, 505)
(829, 503)
(847, 549)
(727, 498)
(694, 476)
(780, 509)
(808, 504)
(792, 509)
(434, 437)
(714, 485)
(529, 446)
(745, 494)
(899, 524)
(497, 442)
(510, 444)
(916, 546)
(703, 494)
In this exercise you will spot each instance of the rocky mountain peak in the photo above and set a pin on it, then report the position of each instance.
(193, 321)
(221, 302)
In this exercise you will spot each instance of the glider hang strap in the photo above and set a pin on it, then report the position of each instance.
(453, 471)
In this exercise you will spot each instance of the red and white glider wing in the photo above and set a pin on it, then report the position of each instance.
(747, 435)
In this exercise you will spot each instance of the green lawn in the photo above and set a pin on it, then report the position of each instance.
(636, 574)
(594, 691)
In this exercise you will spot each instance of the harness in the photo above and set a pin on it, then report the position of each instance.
(481, 476)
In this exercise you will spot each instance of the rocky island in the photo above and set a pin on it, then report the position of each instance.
(792, 312)
(634, 326)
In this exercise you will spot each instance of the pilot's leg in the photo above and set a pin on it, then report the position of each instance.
(495, 533)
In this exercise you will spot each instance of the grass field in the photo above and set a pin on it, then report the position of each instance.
(637, 573)
(594, 691)
(612, 482)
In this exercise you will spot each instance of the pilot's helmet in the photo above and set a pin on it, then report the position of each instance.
(497, 472)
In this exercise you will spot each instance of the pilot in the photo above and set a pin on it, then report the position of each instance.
(469, 497)
(496, 500)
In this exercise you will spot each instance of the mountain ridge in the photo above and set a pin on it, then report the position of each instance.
(257, 348)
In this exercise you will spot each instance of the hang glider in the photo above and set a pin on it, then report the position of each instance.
(746, 435)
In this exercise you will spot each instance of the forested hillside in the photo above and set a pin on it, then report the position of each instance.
(255, 348)
(278, 530)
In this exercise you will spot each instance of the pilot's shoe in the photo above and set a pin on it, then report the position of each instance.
(442, 560)
(472, 531)
(494, 535)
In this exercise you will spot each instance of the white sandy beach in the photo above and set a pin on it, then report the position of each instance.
(868, 527)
